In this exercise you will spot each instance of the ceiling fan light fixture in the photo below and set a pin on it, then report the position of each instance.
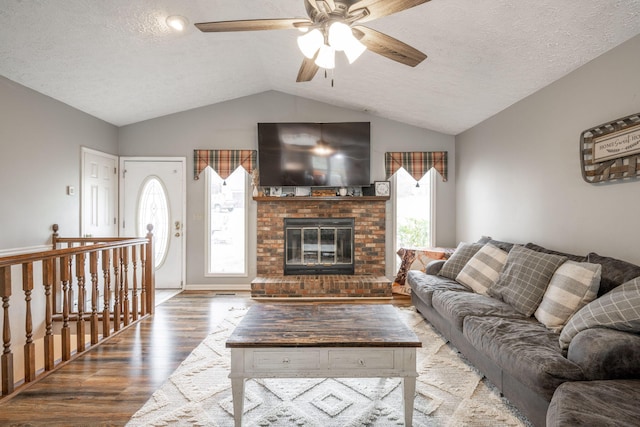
(326, 57)
(353, 50)
(310, 42)
(340, 35)
(177, 22)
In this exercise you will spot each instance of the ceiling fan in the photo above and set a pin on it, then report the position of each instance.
(334, 25)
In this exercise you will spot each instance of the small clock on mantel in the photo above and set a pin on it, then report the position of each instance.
(382, 188)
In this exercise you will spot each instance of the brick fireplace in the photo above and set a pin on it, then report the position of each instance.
(369, 214)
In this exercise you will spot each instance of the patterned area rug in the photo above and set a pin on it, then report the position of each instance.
(449, 392)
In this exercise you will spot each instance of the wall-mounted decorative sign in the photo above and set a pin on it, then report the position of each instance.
(611, 151)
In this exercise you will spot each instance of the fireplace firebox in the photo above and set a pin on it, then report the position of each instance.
(319, 246)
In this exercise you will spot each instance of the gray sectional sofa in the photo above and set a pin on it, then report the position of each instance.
(503, 307)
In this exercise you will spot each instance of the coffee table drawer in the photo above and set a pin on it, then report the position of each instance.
(362, 359)
(276, 360)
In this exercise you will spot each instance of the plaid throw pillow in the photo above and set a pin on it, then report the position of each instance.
(619, 309)
(464, 252)
(573, 285)
(525, 278)
(483, 269)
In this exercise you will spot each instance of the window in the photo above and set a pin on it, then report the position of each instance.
(226, 223)
(153, 208)
(414, 219)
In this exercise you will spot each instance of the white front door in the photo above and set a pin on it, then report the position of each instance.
(99, 188)
(153, 192)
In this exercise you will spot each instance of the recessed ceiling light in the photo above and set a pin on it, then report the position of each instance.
(177, 22)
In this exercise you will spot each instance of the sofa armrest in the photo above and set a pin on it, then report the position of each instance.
(434, 267)
(606, 353)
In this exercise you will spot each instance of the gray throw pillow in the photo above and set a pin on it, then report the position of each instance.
(456, 262)
(525, 278)
(619, 309)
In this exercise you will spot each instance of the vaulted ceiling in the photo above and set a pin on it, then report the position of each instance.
(119, 61)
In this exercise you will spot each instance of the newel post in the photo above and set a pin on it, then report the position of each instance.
(54, 237)
(7, 356)
(150, 280)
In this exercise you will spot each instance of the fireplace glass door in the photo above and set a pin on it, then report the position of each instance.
(319, 249)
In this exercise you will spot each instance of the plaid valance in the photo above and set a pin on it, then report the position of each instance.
(224, 162)
(417, 163)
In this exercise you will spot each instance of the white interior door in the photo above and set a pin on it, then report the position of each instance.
(153, 192)
(99, 188)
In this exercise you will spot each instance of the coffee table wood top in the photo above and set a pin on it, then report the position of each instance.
(322, 325)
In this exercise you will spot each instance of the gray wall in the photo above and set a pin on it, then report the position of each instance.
(40, 141)
(232, 125)
(519, 176)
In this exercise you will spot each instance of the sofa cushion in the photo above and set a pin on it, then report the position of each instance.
(455, 306)
(538, 248)
(605, 354)
(619, 309)
(595, 403)
(423, 285)
(463, 253)
(572, 286)
(505, 246)
(524, 278)
(483, 269)
(614, 271)
(523, 348)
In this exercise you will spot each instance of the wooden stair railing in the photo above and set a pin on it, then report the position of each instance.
(72, 286)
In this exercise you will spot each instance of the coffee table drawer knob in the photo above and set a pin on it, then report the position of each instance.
(285, 361)
(361, 359)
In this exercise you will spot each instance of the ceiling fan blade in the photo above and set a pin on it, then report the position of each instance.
(389, 47)
(251, 25)
(379, 8)
(308, 70)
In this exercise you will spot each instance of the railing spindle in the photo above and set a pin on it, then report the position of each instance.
(143, 288)
(125, 290)
(29, 345)
(106, 274)
(80, 329)
(7, 356)
(47, 280)
(134, 260)
(65, 332)
(150, 272)
(116, 289)
(93, 270)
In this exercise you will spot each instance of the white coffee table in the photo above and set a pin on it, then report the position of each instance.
(299, 340)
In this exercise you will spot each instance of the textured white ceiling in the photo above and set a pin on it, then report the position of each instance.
(118, 61)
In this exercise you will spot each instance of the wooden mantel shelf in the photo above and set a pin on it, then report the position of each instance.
(321, 198)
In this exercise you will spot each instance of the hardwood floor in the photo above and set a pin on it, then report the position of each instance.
(108, 384)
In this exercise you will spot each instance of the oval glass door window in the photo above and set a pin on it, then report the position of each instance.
(153, 208)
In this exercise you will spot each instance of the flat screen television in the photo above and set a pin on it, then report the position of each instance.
(314, 154)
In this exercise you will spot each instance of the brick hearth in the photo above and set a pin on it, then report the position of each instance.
(341, 286)
(369, 240)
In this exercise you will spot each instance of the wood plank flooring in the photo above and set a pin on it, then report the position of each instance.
(108, 384)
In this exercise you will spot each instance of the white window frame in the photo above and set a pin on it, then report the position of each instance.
(207, 241)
